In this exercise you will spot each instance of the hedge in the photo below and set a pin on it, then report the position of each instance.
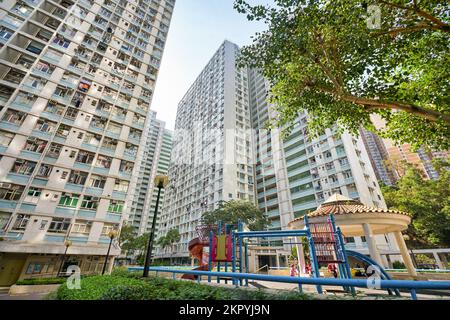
(131, 288)
(41, 281)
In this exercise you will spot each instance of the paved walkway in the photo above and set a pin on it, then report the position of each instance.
(33, 296)
(331, 290)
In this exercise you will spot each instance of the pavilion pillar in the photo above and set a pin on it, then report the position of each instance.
(373, 250)
(404, 252)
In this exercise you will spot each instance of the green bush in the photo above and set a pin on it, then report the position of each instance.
(131, 288)
(398, 265)
(40, 281)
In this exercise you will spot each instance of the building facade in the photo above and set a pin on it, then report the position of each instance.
(288, 177)
(76, 83)
(212, 155)
(155, 161)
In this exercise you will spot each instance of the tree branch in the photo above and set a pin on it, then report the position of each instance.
(439, 24)
(371, 104)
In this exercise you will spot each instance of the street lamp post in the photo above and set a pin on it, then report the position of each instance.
(112, 234)
(161, 182)
(67, 244)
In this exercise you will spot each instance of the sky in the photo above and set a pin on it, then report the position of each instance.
(197, 29)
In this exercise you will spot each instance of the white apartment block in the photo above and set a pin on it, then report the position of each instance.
(212, 154)
(76, 83)
(155, 161)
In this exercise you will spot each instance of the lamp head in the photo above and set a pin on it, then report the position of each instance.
(112, 234)
(67, 243)
(161, 181)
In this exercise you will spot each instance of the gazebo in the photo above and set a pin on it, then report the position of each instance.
(356, 219)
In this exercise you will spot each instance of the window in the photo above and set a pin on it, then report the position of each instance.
(92, 139)
(4, 218)
(103, 161)
(85, 157)
(14, 117)
(10, 192)
(78, 177)
(126, 166)
(23, 167)
(80, 226)
(59, 225)
(32, 195)
(21, 222)
(121, 185)
(35, 145)
(45, 126)
(116, 206)
(97, 181)
(69, 200)
(63, 130)
(5, 138)
(61, 41)
(44, 67)
(54, 150)
(107, 228)
(5, 33)
(44, 170)
(90, 203)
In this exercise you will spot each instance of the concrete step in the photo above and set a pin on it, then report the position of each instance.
(4, 290)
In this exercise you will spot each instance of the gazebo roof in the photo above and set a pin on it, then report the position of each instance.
(340, 205)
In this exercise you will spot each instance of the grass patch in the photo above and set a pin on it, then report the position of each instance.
(131, 287)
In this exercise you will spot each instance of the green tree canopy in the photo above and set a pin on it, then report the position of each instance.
(232, 211)
(322, 57)
(428, 201)
(172, 236)
(130, 242)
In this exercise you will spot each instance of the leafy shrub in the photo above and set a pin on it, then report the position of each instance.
(129, 288)
(398, 265)
(123, 272)
(41, 281)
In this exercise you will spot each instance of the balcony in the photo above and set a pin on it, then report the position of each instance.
(119, 195)
(39, 182)
(94, 191)
(74, 187)
(17, 178)
(100, 170)
(5, 204)
(54, 238)
(113, 217)
(86, 214)
(9, 126)
(108, 151)
(30, 155)
(27, 207)
(65, 211)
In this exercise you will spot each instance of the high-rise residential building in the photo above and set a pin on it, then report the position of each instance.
(76, 83)
(288, 177)
(389, 157)
(155, 161)
(212, 148)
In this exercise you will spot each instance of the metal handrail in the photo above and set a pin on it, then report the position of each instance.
(266, 266)
(412, 286)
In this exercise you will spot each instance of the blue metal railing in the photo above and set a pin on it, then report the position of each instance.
(412, 286)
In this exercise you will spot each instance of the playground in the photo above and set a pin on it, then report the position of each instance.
(321, 263)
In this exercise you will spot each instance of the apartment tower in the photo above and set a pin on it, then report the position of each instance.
(76, 84)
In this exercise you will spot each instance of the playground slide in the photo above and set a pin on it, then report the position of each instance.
(195, 247)
(368, 261)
